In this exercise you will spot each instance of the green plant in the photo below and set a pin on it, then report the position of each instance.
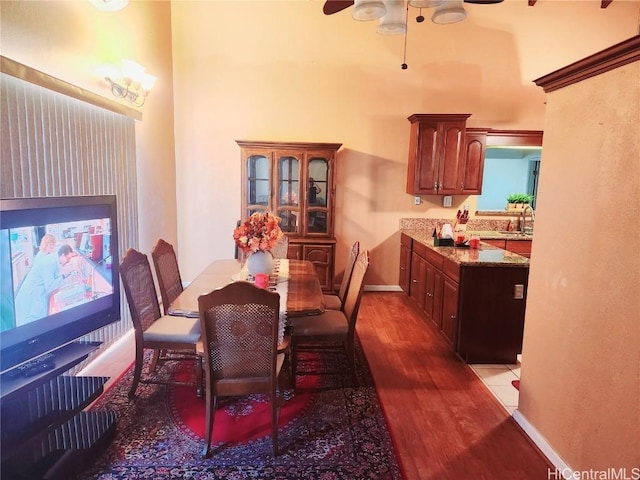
(520, 198)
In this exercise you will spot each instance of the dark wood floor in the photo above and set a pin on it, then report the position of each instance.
(445, 423)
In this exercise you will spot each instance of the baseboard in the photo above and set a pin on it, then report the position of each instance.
(382, 288)
(102, 361)
(562, 469)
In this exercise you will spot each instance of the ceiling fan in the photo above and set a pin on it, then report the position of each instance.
(335, 6)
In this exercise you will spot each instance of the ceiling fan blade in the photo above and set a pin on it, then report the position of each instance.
(335, 6)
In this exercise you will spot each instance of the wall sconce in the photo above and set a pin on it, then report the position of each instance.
(130, 82)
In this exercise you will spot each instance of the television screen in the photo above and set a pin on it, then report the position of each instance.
(59, 273)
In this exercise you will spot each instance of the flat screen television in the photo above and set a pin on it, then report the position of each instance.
(58, 273)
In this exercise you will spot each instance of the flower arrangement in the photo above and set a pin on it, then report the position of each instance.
(260, 231)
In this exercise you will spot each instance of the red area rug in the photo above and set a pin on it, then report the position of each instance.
(516, 383)
(330, 429)
(238, 420)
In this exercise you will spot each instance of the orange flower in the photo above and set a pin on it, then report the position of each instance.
(260, 231)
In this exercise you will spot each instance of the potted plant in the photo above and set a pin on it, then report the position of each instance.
(517, 201)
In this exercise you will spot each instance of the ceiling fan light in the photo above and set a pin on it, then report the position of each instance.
(109, 5)
(365, 10)
(394, 21)
(451, 11)
(425, 3)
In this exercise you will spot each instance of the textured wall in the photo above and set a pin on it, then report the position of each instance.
(68, 40)
(281, 70)
(580, 383)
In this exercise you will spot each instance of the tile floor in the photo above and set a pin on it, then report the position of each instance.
(498, 380)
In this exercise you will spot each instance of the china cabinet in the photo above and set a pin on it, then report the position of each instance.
(296, 181)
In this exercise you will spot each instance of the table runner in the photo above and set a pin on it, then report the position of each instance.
(279, 283)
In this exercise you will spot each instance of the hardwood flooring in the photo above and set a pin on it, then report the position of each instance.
(445, 424)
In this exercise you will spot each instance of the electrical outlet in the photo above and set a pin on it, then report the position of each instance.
(416, 200)
(518, 291)
(447, 200)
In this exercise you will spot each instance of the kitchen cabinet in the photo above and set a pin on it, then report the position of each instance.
(429, 283)
(477, 304)
(417, 290)
(449, 322)
(437, 154)
(296, 181)
(405, 262)
(491, 314)
(521, 247)
(472, 166)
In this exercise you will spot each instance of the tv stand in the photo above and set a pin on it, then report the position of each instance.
(45, 432)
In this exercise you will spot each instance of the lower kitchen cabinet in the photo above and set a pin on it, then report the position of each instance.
(405, 263)
(450, 310)
(479, 309)
(417, 289)
(521, 247)
(491, 313)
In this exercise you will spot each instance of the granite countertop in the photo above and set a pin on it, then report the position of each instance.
(486, 255)
(499, 235)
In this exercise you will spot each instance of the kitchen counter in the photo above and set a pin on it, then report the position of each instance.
(497, 235)
(486, 255)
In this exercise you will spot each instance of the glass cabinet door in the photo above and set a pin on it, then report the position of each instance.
(288, 193)
(259, 183)
(317, 195)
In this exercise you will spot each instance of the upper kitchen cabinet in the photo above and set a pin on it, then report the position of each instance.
(296, 181)
(440, 161)
(472, 167)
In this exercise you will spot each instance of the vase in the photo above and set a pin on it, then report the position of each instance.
(260, 262)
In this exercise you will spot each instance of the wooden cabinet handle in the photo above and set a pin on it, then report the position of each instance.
(414, 280)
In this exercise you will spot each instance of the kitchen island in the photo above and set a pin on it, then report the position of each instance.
(475, 297)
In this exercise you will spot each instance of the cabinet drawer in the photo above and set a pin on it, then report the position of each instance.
(519, 246)
(451, 270)
(496, 243)
(420, 249)
(434, 258)
(405, 240)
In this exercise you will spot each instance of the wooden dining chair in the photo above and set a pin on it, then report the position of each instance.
(167, 272)
(333, 328)
(152, 329)
(334, 302)
(239, 324)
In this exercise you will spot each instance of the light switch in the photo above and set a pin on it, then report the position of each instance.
(416, 200)
(446, 200)
(518, 291)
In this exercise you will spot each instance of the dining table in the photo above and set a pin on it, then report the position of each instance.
(295, 280)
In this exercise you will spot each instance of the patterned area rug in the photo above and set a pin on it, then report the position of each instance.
(328, 430)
